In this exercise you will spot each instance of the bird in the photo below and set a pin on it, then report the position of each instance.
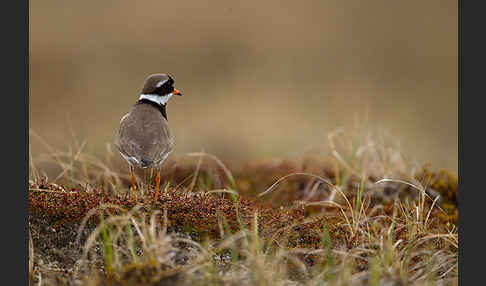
(144, 138)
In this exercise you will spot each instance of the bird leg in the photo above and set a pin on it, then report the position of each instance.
(133, 184)
(157, 186)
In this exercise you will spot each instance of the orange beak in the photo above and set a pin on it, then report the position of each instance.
(177, 92)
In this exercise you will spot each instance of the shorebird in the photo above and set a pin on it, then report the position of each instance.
(144, 138)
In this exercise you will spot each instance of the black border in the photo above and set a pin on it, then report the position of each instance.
(14, 118)
(472, 191)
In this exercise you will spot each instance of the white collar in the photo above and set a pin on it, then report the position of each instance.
(160, 100)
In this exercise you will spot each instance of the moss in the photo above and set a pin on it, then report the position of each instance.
(446, 184)
(140, 274)
(200, 213)
(281, 221)
(194, 213)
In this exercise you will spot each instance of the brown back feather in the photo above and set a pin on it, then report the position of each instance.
(144, 134)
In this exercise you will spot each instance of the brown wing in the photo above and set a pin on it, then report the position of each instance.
(144, 136)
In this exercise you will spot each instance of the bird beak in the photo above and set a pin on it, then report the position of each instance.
(177, 92)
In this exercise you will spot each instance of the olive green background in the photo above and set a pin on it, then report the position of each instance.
(260, 78)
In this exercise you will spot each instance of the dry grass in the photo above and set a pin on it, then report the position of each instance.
(359, 216)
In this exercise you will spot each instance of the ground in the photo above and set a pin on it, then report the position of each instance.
(306, 221)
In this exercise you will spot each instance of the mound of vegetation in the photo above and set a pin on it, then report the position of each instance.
(316, 220)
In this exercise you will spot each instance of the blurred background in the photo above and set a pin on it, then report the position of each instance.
(260, 78)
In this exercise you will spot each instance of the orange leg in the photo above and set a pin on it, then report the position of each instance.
(157, 186)
(134, 189)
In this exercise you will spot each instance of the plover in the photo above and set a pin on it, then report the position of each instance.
(144, 138)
